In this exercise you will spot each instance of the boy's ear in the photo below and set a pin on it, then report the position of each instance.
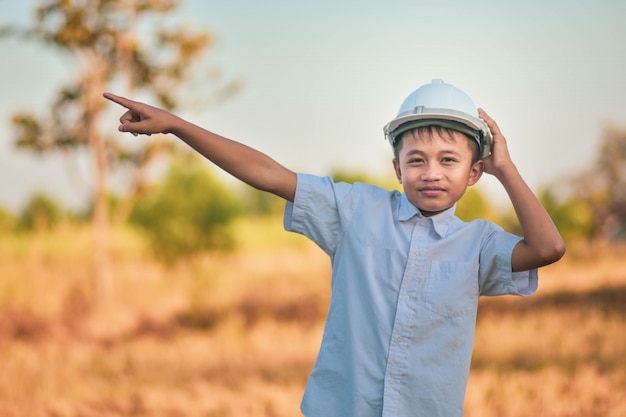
(476, 172)
(396, 168)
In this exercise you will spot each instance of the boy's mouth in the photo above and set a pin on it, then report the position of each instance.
(432, 191)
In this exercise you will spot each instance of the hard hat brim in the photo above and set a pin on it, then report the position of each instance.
(460, 121)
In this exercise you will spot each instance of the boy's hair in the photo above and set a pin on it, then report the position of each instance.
(427, 131)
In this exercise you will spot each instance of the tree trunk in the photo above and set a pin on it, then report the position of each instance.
(103, 278)
(95, 84)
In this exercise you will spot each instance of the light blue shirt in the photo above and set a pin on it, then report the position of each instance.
(400, 328)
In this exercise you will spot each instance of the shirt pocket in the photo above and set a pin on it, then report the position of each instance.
(452, 288)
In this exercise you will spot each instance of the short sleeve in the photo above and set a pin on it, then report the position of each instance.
(495, 272)
(320, 210)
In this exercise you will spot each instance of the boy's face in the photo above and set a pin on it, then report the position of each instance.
(435, 170)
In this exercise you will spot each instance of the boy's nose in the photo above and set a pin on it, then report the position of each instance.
(431, 173)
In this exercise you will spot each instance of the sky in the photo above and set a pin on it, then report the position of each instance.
(321, 79)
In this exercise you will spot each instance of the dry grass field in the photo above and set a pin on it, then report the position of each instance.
(236, 334)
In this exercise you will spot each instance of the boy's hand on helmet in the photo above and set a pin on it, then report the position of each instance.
(141, 118)
(500, 159)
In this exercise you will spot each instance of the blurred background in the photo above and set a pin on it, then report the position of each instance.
(135, 279)
(317, 82)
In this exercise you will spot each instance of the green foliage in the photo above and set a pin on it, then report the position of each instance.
(113, 201)
(257, 202)
(510, 222)
(595, 206)
(101, 38)
(7, 220)
(108, 47)
(41, 212)
(473, 205)
(188, 212)
(574, 218)
(352, 177)
(610, 168)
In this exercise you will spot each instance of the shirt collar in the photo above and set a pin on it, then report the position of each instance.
(441, 222)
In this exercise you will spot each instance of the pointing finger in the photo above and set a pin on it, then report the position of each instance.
(129, 104)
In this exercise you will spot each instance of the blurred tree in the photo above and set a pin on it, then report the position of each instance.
(473, 205)
(188, 212)
(602, 188)
(611, 170)
(573, 217)
(256, 202)
(571, 210)
(351, 177)
(389, 183)
(41, 212)
(100, 37)
(7, 220)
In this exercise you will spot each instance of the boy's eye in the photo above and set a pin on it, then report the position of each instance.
(448, 160)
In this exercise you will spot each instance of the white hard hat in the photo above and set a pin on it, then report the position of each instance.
(440, 104)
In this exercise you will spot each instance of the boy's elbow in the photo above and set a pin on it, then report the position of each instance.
(552, 253)
(527, 256)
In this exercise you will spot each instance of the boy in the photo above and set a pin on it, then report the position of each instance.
(407, 272)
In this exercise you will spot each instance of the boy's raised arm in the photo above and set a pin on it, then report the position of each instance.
(542, 243)
(241, 161)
